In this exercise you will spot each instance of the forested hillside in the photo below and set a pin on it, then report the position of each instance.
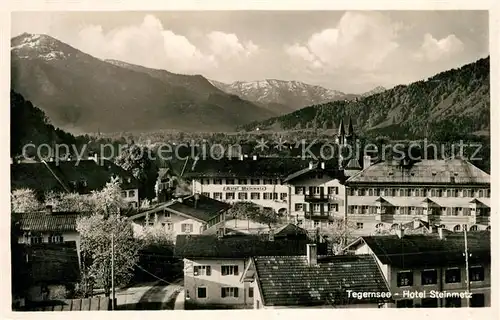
(452, 103)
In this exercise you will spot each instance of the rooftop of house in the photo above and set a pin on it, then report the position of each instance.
(448, 171)
(53, 263)
(197, 206)
(81, 176)
(429, 250)
(43, 221)
(292, 281)
(237, 246)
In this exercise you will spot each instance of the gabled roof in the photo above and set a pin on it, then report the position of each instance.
(353, 164)
(53, 262)
(291, 281)
(238, 246)
(48, 222)
(428, 250)
(290, 230)
(81, 176)
(449, 172)
(341, 128)
(203, 209)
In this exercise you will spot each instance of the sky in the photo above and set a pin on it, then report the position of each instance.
(350, 51)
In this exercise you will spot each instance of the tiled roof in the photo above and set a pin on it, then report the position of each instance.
(261, 167)
(80, 177)
(53, 263)
(291, 281)
(289, 231)
(429, 250)
(41, 221)
(449, 171)
(238, 246)
(204, 208)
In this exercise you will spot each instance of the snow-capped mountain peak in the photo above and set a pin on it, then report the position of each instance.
(294, 94)
(41, 46)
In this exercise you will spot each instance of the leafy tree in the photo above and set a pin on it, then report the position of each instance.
(109, 200)
(24, 200)
(70, 202)
(339, 235)
(96, 232)
(138, 160)
(251, 211)
(20, 274)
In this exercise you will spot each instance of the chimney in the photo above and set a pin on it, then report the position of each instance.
(310, 164)
(323, 165)
(196, 198)
(254, 157)
(240, 157)
(400, 232)
(367, 161)
(441, 232)
(48, 209)
(312, 254)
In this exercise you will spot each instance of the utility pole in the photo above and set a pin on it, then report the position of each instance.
(112, 272)
(466, 264)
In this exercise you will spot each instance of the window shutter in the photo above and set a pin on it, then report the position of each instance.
(235, 270)
(222, 292)
(196, 270)
(209, 271)
(236, 289)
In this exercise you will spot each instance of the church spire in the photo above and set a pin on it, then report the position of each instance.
(350, 129)
(341, 129)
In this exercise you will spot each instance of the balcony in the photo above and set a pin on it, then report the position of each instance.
(319, 197)
(318, 216)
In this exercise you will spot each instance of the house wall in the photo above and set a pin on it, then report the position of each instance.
(170, 222)
(304, 217)
(361, 209)
(402, 293)
(67, 236)
(131, 195)
(209, 188)
(215, 282)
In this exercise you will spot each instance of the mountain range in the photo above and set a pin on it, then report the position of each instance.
(453, 103)
(82, 94)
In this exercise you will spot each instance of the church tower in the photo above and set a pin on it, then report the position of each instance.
(350, 136)
(341, 133)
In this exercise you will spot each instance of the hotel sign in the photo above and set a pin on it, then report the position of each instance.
(244, 188)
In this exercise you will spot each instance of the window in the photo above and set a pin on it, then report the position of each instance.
(230, 196)
(299, 190)
(131, 193)
(316, 223)
(268, 196)
(255, 196)
(36, 238)
(202, 270)
(217, 181)
(299, 207)
(124, 194)
(275, 196)
(283, 196)
(218, 195)
(370, 192)
(429, 303)
(55, 238)
(169, 226)
(452, 302)
(457, 227)
(267, 181)
(476, 273)
(202, 292)
(316, 207)
(226, 292)
(229, 270)
(187, 227)
(206, 194)
(333, 207)
(379, 225)
(473, 228)
(250, 292)
(242, 195)
(333, 190)
(229, 181)
(405, 278)
(452, 275)
(359, 225)
(255, 181)
(477, 300)
(429, 277)
(242, 181)
(404, 303)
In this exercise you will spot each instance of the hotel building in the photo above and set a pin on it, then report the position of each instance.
(446, 193)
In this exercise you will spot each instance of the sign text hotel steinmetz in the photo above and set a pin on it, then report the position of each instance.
(244, 188)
